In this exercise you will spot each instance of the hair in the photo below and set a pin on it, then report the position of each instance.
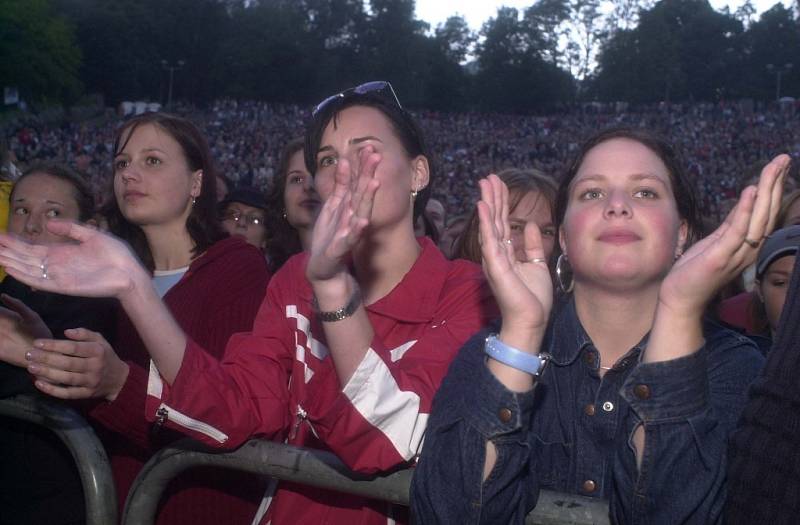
(81, 191)
(788, 202)
(684, 191)
(520, 182)
(403, 124)
(282, 238)
(202, 223)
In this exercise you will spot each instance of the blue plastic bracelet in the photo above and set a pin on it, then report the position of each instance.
(508, 355)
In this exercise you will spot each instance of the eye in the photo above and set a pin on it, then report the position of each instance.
(52, 213)
(297, 179)
(517, 227)
(20, 211)
(152, 161)
(121, 164)
(591, 194)
(646, 194)
(326, 161)
(548, 231)
(778, 282)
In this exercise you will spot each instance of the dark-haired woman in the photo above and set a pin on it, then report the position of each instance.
(39, 479)
(211, 285)
(354, 337)
(292, 207)
(625, 394)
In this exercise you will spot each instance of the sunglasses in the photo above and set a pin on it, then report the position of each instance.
(380, 87)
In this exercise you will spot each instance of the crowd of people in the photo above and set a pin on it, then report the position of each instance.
(247, 284)
(722, 144)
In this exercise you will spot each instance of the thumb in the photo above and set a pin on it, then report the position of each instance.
(19, 307)
(70, 229)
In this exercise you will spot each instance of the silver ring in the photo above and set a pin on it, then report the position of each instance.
(507, 241)
(751, 243)
(43, 268)
(538, 260)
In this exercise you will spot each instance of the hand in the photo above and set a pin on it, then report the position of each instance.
(83, 367)
(344, 216)
(19, 326)
(96, 265)
(524, 290)
(724, 254)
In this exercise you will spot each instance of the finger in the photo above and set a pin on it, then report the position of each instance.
(63, 392)
(764, 211)
(533, 245)
(83, 334)
(732, 235)
(777, 191)
(367, 201)
(67, 347)
(56, 375)
(504, 205)
(493, 252)
(24, 252)
(497, 195)
(71, 229)
(25, 313)
(30, 275)
(11, 315)
(487, 198)
(366, 175)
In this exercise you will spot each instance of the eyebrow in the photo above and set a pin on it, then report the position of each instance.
(357, 140)
(146, 150)
(23, 199)
(634, 177)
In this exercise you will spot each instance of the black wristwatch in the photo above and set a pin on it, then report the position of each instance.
(343, 312)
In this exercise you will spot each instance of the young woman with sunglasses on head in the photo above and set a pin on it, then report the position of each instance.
(211, 285)
(354, 336)
(639, 396)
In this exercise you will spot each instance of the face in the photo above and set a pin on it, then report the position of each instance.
(773, 287)
(153, 184)
(532, 208)
(359, 128)
(300, 199)
(435, 212)
(36, 199)
(246, 222)
(621, 227)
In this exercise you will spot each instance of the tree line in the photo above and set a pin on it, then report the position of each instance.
(550, 55)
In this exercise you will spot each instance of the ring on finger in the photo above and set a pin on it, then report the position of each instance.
(538, 260)
(507, 241)
(43, 268)
(751, 243)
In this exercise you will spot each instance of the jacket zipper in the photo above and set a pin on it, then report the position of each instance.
(301, 416)
(163, 414)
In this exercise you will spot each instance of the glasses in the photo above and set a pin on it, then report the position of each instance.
(380, 87)
(249, 219)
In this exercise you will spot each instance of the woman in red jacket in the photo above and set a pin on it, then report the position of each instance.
(354, 337)
(210, 284)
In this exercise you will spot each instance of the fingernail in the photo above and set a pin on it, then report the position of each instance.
(29, 356)
(33, 369)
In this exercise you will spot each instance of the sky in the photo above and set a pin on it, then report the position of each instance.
(478, 11)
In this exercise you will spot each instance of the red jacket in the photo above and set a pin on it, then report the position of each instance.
(375, 423)
(218, 295)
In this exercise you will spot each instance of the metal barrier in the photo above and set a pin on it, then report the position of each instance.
(319, 469)
(100, 495)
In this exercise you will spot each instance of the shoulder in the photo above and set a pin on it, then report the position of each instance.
(726, 347)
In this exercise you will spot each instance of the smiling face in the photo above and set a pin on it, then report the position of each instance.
(360, 127)
(153, 184)
(621, 227)
(36, 199)
(300, 199)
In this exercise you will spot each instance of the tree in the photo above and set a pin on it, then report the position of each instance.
(38, 53)
(455, 39)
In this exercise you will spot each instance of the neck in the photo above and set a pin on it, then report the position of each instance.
(305, 237)
(171, 247)
(615, 321)
(381, 261)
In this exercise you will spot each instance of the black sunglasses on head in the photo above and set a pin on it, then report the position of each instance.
(380, 87)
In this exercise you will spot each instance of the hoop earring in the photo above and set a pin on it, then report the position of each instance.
(560, 274)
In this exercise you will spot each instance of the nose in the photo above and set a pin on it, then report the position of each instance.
(34, 225)
(128, 174)
(618, 205)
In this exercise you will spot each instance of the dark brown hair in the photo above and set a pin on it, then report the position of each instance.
(81, 191)
(519, 182)
(202, 223)
(283, 240)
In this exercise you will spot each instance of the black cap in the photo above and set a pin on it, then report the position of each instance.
(782, 242)
(249, 196)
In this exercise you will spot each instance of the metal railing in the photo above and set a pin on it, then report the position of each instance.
(100, 496)
(319, 469)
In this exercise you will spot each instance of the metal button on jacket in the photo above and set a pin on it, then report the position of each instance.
(505, 415)
(641, 391)
(589, 486)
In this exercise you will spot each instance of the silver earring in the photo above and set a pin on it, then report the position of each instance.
(560, 274)
(284, 215)
(414, 194)
(194, 201)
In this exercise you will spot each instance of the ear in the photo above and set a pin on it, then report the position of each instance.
(683, 237)
(421, 173)
(197, 183)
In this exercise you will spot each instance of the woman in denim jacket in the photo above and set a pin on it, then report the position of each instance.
(639, 395)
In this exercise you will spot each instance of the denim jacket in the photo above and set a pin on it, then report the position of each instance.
(573, 432)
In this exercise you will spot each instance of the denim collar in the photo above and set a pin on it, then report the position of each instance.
(566, 338)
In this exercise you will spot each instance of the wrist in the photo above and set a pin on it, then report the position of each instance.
(524, 338)
(334, 292)
(119, 383)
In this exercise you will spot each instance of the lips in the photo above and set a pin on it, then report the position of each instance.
(619, 237)
(132, 195)
(309, 203)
